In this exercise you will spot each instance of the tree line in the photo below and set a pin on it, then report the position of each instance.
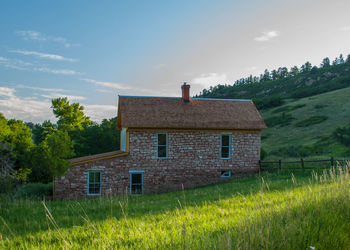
(281, 73)
(37, 152)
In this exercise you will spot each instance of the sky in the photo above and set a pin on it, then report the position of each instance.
(93, 51)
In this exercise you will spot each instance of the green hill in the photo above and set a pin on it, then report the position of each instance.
(302, 108)
(304, 127)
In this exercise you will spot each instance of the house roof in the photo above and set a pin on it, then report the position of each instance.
(198, 113)
(95, 157)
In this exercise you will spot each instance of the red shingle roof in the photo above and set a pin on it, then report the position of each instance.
(199, 113)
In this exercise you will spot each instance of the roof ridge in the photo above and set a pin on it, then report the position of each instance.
(195, 98)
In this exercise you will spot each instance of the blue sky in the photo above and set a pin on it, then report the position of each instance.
(91, 51)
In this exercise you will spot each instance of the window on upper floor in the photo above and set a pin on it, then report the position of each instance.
(162, 145)
(123, 140)
(225, 151)
(94, 183)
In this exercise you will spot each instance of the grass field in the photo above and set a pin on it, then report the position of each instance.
(333, 107)
(273, 211)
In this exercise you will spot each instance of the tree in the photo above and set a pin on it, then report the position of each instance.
(49, 157)
(325, 63)
(283, 72)
(306, 67)
(348, 58)
(266, 76)
(274, 74)
(294, 71)
(70, 116)
(341, 59)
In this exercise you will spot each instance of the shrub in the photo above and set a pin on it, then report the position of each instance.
(311, 121)
(288, 108)
(266, 103)
(319, 106)
(342, 134)
(282, 120)
(34, 190)
(263, 153)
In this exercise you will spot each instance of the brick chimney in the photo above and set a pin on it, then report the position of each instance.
(185, 92)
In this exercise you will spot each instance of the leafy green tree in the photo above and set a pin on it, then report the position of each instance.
(348, 59)
(341, 59)
(49, 157)
(306, 67)
(325, 63)
(294, 71)
(70, 116)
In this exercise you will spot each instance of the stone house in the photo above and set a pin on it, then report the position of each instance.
(169, 143)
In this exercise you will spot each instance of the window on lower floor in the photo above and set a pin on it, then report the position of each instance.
(136, 182)
(94, 183)
(225, 173)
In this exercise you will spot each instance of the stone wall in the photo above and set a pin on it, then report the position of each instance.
(193, 160)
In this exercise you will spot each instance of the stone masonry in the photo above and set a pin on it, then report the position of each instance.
(193, 161)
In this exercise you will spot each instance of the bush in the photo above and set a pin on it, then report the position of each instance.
(263, 153)
(282, 120)
(288, 108)
(319, 106)
(342, 134)
(311, 121)
(266, 103)
(34, 190)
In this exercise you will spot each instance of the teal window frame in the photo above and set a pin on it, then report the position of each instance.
(225, 146)
(131, 172)
(165, 145)
(223, 175)
(99, 182)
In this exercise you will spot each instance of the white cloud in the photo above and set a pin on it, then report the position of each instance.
(99, 112)
(8, 92)
(120, 86)
(159, 66)
(58, 71)
(26, 109)
(112, 85)
(26, 66)
(267, 36)
(69, 97)
(37, 36)
(345, 28)
(41, 89)
(43, 55)
(210, 79)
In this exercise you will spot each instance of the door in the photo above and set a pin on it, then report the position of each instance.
(136, 182)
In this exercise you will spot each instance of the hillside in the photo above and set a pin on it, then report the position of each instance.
(272, 211)
(303, 84)
(306, 125)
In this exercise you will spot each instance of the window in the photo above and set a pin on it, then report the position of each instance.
(162, 145)
(136, 182)
(225, 146)
(225, 173)
(94, 183)
(123, 140)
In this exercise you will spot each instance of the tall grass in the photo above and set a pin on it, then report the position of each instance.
(273, 211)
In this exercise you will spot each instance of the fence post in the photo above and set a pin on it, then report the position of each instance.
(302, 163)
(280, 164)
(332, 161)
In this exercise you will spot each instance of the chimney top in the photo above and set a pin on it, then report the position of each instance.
(185, 92)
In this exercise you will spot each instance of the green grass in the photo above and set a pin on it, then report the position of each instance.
(335, 105)
(273, 211)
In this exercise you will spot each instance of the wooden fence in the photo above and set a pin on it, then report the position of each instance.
(301, 164)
